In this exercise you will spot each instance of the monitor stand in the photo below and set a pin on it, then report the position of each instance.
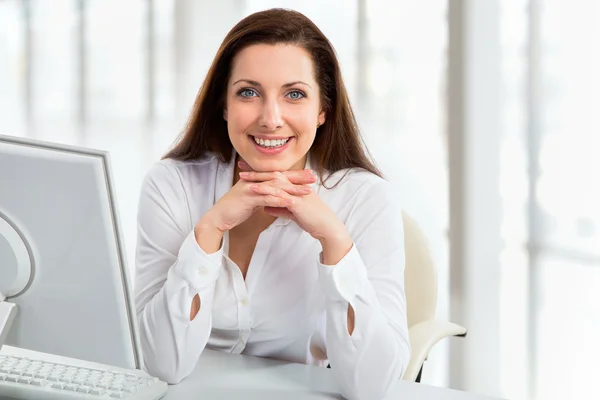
(13, 249)
(8, 312)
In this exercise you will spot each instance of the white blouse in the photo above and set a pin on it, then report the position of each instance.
(290, 306)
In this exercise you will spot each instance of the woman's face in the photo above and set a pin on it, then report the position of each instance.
(273, 106)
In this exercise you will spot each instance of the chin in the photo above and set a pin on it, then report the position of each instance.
(270, 165)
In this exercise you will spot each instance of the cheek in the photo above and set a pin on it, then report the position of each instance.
(304, 123)
(239, 118)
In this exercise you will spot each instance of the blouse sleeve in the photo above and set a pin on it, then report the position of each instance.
(170, 270)
(370, 278)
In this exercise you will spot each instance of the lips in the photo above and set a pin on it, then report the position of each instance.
(270, 146)
(270, 143)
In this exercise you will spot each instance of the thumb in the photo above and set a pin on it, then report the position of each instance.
(279, 212)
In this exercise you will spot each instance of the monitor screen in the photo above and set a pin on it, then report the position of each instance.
(62, 256)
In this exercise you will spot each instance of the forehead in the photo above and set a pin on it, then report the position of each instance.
(273, 64)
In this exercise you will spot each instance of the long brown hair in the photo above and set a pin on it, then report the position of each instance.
(338, 144)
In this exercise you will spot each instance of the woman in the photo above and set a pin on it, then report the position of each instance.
(266, 230)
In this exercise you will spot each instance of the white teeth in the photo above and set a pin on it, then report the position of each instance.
(271, 143)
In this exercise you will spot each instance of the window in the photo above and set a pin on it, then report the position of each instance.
(552, 224)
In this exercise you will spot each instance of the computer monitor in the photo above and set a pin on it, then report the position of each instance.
(62, 257)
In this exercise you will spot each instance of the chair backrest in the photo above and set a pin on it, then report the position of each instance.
(420, 276)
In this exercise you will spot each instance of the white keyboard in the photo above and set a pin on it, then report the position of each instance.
(31, 375)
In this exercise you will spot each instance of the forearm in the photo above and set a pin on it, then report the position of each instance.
(335, 247)
(174, 279)
(367, 346)
(368, 363)
(208, 235)
(174, 328)
(209, 239)
(171, 343)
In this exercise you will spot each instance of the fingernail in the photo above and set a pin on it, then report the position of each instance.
(254, 187)
(244, 174)
(306, 189)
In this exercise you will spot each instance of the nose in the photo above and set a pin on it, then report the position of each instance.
(270, 116)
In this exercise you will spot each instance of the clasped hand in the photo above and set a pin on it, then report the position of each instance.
(283, 194)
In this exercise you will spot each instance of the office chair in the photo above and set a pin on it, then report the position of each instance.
(421, 286)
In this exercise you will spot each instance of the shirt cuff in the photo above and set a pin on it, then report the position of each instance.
(342, 282)
(197, 267)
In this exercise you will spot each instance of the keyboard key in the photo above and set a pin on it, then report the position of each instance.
(69, 387)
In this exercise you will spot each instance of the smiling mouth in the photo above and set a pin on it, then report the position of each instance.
(270, 143)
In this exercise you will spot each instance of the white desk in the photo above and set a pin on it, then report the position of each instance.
(229, 377)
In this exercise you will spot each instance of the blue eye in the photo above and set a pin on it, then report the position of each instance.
(296, 95)
(247, 93)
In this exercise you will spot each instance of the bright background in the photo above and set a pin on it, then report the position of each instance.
(122, 75)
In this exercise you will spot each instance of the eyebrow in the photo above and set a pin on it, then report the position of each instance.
(257, 84)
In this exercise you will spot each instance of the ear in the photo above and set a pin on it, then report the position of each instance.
(321, 118)
(225, 113)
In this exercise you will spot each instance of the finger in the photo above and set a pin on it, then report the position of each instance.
(279, 212)
(253, 176)
(273, 201)
(278, 188)
(303, 177)
(270, 190)
(295, 190)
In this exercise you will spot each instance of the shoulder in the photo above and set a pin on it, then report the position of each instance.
(177, 188)
(368, 205)
(172, 174)
(173, 182)
(356, 184)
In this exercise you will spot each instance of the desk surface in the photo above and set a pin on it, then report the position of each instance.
(227, 376)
